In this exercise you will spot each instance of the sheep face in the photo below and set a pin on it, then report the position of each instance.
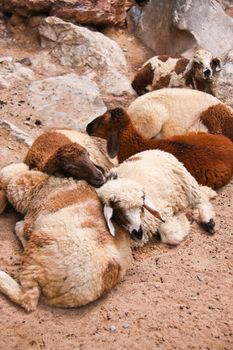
(99, 126)
(108, 127)
(74, 161)
(205, 65)
(124, 201)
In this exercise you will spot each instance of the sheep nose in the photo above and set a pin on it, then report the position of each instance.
(207, 73)
(89, 128)
(97, 181)
(137, 235)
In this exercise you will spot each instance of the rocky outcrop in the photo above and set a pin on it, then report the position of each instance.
(173, 26)
(93, 12)
(92, 52)
(222, 85)
(66, 101)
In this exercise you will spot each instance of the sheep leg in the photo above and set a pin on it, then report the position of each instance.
(19, 231)
(198, 198)
(174, 229)
(27, 298)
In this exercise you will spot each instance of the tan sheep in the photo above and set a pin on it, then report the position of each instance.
(70, 258)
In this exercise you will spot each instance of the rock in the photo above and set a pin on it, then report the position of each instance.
(94, 12)
(132, 18)
(182, 24)
(91, 52)
(11, 71)
(222, 85)
(25, 61)
(17, 133)
(113, 329)
(66, 101)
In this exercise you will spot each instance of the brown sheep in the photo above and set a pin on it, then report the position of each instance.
(177, 71)
(209, 158)
(54, 152)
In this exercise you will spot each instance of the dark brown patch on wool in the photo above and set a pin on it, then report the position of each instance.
(163, 58)
(110, 276)
(219, 120)
(181, 65)
(143, 78)
(162, 82)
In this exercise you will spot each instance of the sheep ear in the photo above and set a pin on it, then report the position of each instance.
(3, 201)
(217, 64)
(108, 211)
(148, 205)
(112, 143)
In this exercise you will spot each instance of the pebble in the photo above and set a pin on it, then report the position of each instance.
(113, 329)
(125, 325)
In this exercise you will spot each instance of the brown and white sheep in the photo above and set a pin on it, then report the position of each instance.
(70, 152)
(209, 158)
(70, 258)
(169, 112)
(177, 71)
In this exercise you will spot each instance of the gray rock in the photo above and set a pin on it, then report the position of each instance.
(66, 101)
(174, 26)
(92, 52)
(222, 85)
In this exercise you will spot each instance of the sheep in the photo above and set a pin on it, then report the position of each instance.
(169, 112)
(69, 257)
(172, 191)
(177, 71)
(209, 158)
(67, 151)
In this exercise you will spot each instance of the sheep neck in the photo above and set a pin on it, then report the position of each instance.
(131, 142)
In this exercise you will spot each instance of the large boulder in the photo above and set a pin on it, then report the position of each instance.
(66, 101)
(222, 85)
(91, 52)
(94, 12)
(174, 26)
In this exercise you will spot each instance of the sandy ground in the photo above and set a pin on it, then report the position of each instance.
(171, 298)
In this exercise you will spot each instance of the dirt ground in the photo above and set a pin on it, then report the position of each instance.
(171, 298)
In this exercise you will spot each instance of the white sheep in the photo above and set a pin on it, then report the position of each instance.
(172, 191)
(168, 112)
(70, 258)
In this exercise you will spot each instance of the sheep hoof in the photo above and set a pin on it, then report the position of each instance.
(209, 226)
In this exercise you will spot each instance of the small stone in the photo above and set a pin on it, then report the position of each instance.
(125, 325)
(38, 122)
(113, 329)
(26, 61)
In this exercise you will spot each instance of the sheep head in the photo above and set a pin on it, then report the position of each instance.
(74, 160)
(108, 127)
(205, 65)
(124, 201)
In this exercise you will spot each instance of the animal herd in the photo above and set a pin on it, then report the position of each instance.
(89, 199)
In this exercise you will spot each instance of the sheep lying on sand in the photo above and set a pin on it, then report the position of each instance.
(170, 188)
(70, 258)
